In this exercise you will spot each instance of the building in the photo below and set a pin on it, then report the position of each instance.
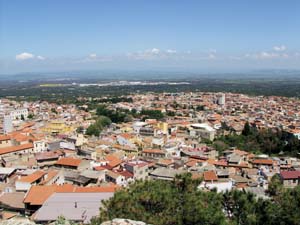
(77, 207)
(154, 153)
(19, 114)
(57, 127)
(7, 124)
(25, 183)
(138, 168)
(221, 99)
(202, 130)
(290, 178)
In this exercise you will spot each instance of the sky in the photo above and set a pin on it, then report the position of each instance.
(201, 35)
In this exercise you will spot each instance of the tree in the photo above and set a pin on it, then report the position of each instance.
(240, 207)
(247, 129)
(93, 130)
(61, 220)
(22, 117)
(200, 107)
(96, 128)
(165, 203)
(152, 114)
(80, 130)
(53, 110)
(275, 186)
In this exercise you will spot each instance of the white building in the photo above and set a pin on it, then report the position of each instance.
(7, 124)
(221, 99)
(202, 130)
(39, 146)
(18, 113)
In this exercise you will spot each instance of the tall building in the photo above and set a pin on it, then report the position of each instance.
(7, 124)
(1, 106)
(221, 99)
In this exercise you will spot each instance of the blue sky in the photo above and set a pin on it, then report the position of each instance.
(53, 35)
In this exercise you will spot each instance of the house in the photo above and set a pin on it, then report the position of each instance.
(48, 158)
(165, 163)
(76, 207)
(203, 131)
(210, 176)
(153, 153)
(115, 178)
(113, 161)
(6, 173)
(211, 180)
(257, 163)
(39, 145)
(290, 178)
(12, 201)
(38, 194)
(24, 183)
(5, 141)
(138, 168)
(162, 173)
(18, 149)
(68, 163)
(234, 159)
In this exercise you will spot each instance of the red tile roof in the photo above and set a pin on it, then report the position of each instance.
(32, 177)
(155, 151)
(15, 148)
(113, 161)
(263, 161)
(37, 195)
(287, 175)
(4, 138)
(68, 162)
(210, 176)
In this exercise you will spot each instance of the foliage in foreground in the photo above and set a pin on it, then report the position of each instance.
(179, 202)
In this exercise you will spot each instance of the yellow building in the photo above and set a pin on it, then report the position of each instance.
(58, 127)
(163, 126)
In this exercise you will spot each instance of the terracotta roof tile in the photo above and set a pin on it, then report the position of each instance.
(113, 161)
(15, 148)
(210, 176)
(68, 162)
(263, 161)
(156, 151)
(37, 195)
(32, 177)
(287, 175)
(4, 138)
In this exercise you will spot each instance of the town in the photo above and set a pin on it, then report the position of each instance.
(63, 160)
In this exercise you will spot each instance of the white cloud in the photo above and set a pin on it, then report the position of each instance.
(171, 51)
(40, 57)
(211, 56)
(268, 55)
(279, 48)
(93, 56)
(24, 56)
(155, 51)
